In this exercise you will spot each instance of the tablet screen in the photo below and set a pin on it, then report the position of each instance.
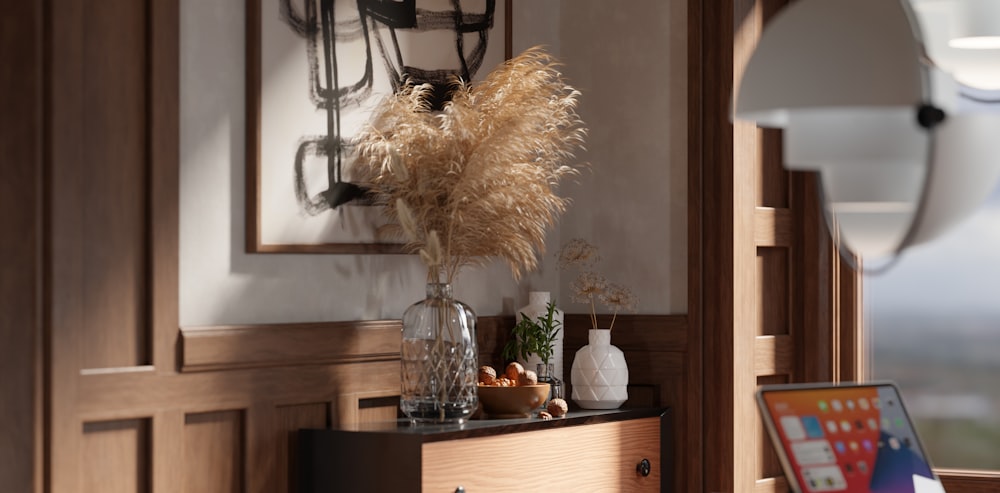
(855, 438)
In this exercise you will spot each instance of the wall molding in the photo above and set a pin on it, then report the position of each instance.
(258, 346)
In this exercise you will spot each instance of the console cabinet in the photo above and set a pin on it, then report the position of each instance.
(587, 451)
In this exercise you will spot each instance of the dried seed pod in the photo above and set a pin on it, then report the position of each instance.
(544, 415)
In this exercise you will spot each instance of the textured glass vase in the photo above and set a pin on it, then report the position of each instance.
(599, 374)
(439, 358)
(547, 374)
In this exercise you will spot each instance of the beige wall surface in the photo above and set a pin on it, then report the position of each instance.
(627, 58)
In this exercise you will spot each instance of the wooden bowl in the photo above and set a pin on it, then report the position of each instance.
(512, 402)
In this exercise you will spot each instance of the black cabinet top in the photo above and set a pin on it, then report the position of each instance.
(429, 432)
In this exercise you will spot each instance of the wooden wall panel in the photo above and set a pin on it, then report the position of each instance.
(21, 212)
(768, 465)
(258, 346)
(288, 419)
(116, 457)
(773, 287)
(213, 452)
(113, 87)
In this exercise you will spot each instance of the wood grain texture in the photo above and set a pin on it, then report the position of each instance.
(162, 232)
(632, 332)
(690, 437)
(959, 481)
(599, 457)
(21, 246)
(742, 294)
(772, 227)
(113, 88)
(214, 452)
(773, 355)
(255, 346)
(118, 396)
(370, 406)
(64, 257)
(768, 464)
(116, 457)
(492, 334)
(167, 453)
(284, 437)
(773, 288)
(771, 485)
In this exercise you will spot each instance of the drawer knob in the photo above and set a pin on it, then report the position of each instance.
(644, 467)
(460, 489)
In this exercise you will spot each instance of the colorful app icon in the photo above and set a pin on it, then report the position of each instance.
(867, 444)
(845, 426)
(813, 428)
(886, 424)
(793, 427)
(837, 406)
(850, 405)
(840, 447)
(872, 424)
(863, 404)
(894, 443)
(900, 423)
(862, 467)
(876, 403)
(823, 406)
(854, 446)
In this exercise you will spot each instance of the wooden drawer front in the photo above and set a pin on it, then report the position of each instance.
(594, 458)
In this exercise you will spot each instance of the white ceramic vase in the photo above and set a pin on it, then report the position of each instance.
(599, 375)
(537, 307)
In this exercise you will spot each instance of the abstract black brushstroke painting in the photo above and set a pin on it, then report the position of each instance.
(322, 65)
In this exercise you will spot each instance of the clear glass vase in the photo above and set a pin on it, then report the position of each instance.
(547, 374)
(439, 358)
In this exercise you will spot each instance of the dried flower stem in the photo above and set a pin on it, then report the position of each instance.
(483, 173)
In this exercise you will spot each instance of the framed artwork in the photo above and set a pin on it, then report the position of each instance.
(315, 69)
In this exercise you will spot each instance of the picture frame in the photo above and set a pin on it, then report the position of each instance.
(314, 69)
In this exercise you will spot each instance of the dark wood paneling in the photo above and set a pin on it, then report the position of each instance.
(772, 181)
(164, 183)
(690, 436)
(773, 290)
(768, 465)
(638, 332)
(970, 481)
(283, 440)
(492, 333)
(21, 319)
(112, 85)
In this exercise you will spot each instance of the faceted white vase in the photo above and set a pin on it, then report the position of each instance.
(599, 375)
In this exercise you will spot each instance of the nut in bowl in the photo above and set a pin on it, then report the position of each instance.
(512, 402)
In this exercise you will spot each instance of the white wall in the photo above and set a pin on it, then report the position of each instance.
(629, 66)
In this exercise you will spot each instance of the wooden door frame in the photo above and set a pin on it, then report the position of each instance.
(21, 246)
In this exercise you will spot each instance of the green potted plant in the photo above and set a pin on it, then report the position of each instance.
(536, 336)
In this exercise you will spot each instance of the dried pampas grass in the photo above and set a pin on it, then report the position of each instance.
(477, 180)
